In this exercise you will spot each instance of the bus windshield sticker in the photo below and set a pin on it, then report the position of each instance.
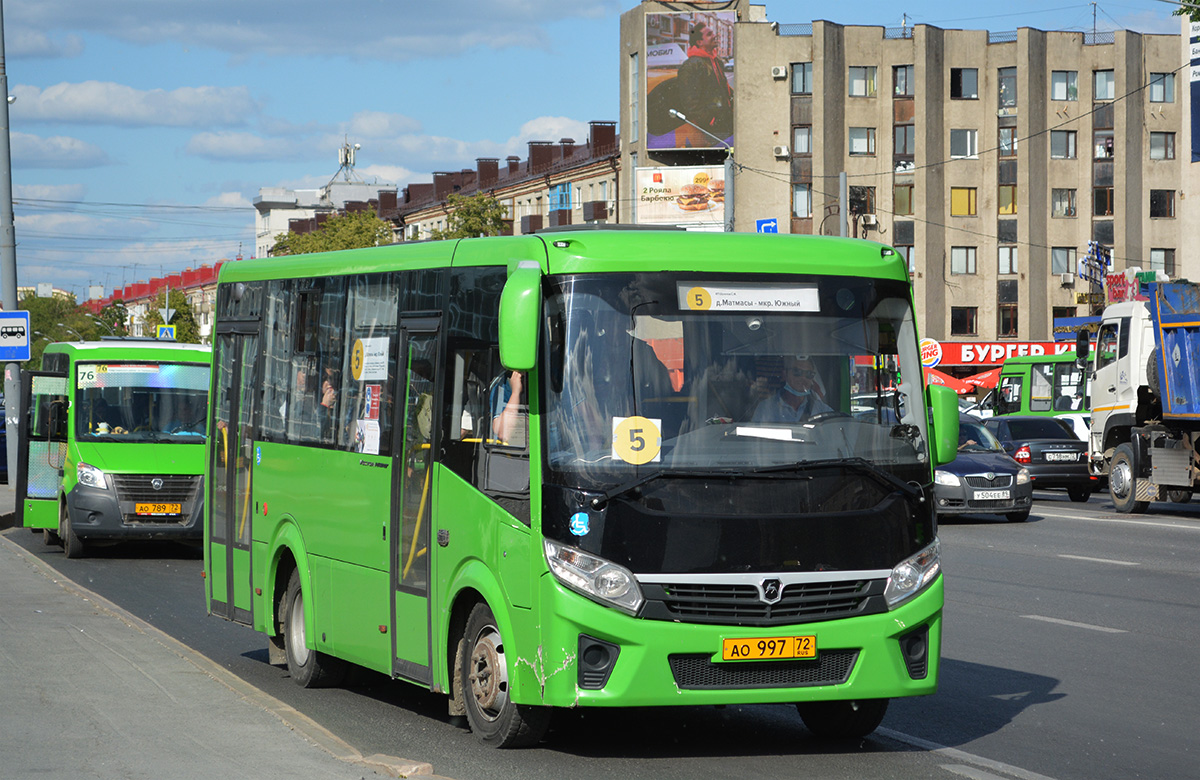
(579, 524)
(366, 437)
(369, 361)
(637, 440)
(748, 297)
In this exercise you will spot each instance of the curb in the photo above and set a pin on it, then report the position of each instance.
(288, 715)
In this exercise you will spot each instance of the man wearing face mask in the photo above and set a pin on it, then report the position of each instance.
(798, 399)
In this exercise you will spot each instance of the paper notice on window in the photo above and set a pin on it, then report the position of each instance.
(366, 437)
(369, 360)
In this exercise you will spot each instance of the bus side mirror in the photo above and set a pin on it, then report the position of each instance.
(943, 407)
(520, 311)
(1082, 344)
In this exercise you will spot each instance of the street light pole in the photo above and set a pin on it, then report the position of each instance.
(64, 326)
(8, 252)
(728, 167)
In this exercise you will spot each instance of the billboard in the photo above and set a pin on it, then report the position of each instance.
(685, 195)
(689, 69)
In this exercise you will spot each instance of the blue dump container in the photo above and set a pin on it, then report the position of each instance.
(1175, 311)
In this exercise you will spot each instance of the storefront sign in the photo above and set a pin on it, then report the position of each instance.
(992, 353)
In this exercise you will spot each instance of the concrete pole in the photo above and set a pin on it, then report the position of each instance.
(843, 205)
(8, 262)
(729, 190)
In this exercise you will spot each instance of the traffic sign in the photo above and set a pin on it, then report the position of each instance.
(767, 225)
(14, 336)
(166, 332)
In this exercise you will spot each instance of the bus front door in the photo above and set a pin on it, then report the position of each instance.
(229, 490)
(41, 448)
(413, 493)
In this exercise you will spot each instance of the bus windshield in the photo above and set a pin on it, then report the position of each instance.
(691, 373)
(139, 402)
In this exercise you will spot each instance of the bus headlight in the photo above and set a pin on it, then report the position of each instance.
(912, 574)
(90, 476)
(594, 577)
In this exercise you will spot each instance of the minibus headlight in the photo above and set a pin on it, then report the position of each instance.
(912, 574)
(90, 476)
(594, 577)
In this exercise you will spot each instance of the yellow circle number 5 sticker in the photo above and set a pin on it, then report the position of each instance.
(636, 440)
(699, 299)
(356, 360)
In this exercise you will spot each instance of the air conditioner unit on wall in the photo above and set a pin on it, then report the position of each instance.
(1068, 280)
(781, 151)
(779, 72)
(870, 220)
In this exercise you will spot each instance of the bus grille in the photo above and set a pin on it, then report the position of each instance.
(697, 672)
(180, 489)
(739, 604)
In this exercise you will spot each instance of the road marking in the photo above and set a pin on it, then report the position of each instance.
(962, 757)
(1073, 624)
(1099, 560)
(1093, 519)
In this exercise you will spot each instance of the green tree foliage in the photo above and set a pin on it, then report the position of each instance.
(474, 215)
(1191, 13)
(340, 231)
(187, 330)
(114, 318)
(51, 319)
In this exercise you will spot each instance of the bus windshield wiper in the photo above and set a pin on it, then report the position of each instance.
(620, 490)
(860, 465)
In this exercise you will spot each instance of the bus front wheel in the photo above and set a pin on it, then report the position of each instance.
(843, 719)
(72, 545)
(309, 668)
(483, 680)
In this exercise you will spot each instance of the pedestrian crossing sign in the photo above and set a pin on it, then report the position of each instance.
(166, 332)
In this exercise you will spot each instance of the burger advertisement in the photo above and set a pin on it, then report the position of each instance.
(693, 195)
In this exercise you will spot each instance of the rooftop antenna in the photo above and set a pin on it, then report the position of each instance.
(346, 154)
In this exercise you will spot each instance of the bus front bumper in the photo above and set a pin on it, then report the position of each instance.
(103, 514)
(594, 656)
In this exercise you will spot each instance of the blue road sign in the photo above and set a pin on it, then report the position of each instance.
(14, 336)
(767, 225)
(166, 332)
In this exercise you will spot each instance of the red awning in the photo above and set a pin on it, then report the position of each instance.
(984, 379)
(935, 377)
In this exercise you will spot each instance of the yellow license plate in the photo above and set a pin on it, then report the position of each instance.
(764, 648)
(158, 509)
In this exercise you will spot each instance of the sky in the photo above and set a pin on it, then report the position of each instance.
(142, 130)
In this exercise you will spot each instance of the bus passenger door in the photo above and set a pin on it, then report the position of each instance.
(41, 448)
(229, 498)
(418, 413)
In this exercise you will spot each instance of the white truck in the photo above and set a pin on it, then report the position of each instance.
(1145, 424)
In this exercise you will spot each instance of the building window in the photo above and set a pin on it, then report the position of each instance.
(635, 89)
(560, 197)
(964, 143)
(1062, 144)
(1062, 260)
(862, 200)
(862, 81)
(1104, 84)
(1062, 203)
(1008, 87)
(962, 260)
(902, 80)
(1008, 142)
(1007, 199)
(962, 201)
(910, 257)
(802, 140)
(862, 140)
(1059, 312)
(964, 320)
(1007, 260)
(1162, 146)
(1162, 203)
(1064, 85)
(802, 77)
(1162, 87)
(1102, 143)
(964, 84)
(1162, 260)
(902, 199)
(802, 200)
(1102, 202)
(1008, 321)
(906, 140)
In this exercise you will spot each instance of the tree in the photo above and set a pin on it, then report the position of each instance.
(474, 215)
(45, 316)
(1191, 13)
(340, 231)
(187, 330)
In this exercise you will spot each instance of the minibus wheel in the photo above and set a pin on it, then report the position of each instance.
(309, 668)
(483, 679)
(842, 719)
(72, 544)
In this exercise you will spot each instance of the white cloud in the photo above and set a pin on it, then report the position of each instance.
(103, 102)
(56, 192)
(230, 200)
(245, 147)
(32, 151)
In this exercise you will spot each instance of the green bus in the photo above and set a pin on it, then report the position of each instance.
(111, 442)
(531, 472)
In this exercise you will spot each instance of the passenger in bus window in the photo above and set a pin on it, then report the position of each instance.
(798, 399)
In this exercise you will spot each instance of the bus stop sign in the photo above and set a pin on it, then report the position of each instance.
(14, 336)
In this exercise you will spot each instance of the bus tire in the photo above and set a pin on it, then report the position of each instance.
(1121, 482)
(50, 538)
(483, 678)
(72, 544)
(309, 668)
(843, 719)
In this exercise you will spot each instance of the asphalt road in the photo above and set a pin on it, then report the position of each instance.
(1069, 652)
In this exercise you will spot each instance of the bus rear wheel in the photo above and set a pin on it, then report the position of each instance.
(483, 680)
(309, 668)
(843, 719)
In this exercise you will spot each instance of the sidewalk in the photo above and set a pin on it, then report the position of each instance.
(89, 690)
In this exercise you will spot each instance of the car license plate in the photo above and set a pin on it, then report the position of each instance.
(991, 495)
(764, 648)
(1062, 456)
(157, 509)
